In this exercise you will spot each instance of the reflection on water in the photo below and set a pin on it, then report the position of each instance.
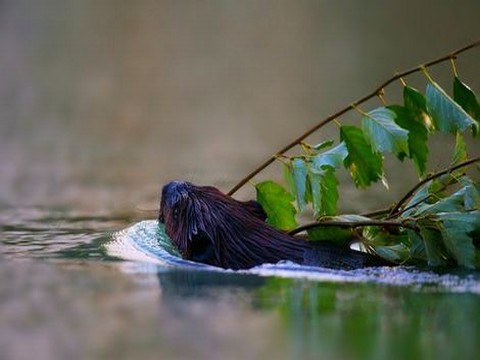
(103, 101)
(375, 323)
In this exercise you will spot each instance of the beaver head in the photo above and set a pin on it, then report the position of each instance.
(210, 227)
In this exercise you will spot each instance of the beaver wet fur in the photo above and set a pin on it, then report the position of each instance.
(210, 227)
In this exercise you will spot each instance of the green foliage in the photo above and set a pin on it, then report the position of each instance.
(437, 223)
(407, 118)
(460, 151)
(471, 198)
(364, 164)
(448, 116)
(323, 185)
(434, 249)
(311, 178)
(300, 172)
(466, 98)
(339, 235)
(415, 101)
(277, 203)
(333, 157)
(383, 133)
(456, 228)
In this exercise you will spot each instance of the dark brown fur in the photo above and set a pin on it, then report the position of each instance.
(210, 227)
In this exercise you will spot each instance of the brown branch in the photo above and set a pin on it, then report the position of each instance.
(356, 103)
(417, 203)
(408, 195)
(377, 212)
(350, 224)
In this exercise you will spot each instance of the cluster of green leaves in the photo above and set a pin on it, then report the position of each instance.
(443, 215)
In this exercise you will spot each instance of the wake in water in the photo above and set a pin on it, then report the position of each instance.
(146, 242)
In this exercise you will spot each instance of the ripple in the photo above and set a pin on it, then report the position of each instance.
(48, 233)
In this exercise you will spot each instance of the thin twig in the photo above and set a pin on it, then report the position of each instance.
(412, 191)
(377, 212)
(350, 224)
(418, 202)
(374, 93)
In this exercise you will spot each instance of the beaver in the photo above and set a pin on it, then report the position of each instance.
(210, 227)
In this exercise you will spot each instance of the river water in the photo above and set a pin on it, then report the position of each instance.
(101, 102)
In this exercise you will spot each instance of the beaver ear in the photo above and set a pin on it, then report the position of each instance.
(201, 249)
(255, 209)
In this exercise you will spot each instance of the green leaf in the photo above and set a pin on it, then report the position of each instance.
(288, 175)
(466, 198)
(447, 115)
(322, 181)
(471, 198)
(333, 157)
(277, 203)
(455, 228)
(451, 203)
(467, 99)
(417, 247)
(460, 151)
(383, 133)
(393, 253)
(323, 185)
(365, 166)
(440, 184)
(300, 171)
(379, 236)
(417, 136)
(418, 198)
(340, 236)
(432, 239)
(414, 101)
(323, 145)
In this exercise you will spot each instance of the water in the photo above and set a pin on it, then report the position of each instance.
(102, 102)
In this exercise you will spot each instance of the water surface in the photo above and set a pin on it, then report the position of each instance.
(83, 301)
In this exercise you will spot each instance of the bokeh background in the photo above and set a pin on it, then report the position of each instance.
(101, 102)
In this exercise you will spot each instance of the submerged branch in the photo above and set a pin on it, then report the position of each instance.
(356, 103)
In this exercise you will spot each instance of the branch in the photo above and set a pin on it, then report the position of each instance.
(377, 212)
(356, 103)
(412, 191)
(350, 224)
